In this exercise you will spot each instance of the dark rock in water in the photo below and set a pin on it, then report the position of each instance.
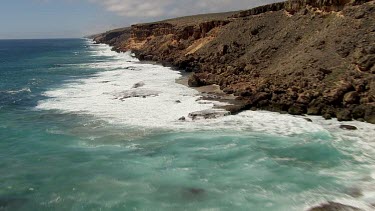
(196, 191)
(11, 203)
(182, 119)
(354, 192)
(308, 119)
(208, 114)
(333, 206)
(208, 96)
(143, 93)
(130, 68)
(234, 109)
(139, 84)
(348, 127)
(178, 101)
(193, 193)
(104, 82)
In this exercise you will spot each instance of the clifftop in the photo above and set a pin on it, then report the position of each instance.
(299, 56)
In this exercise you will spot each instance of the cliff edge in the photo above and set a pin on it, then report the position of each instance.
(301, 56)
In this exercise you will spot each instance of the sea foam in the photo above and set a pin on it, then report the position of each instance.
(110, 95)
(100, 95)
(159, 102)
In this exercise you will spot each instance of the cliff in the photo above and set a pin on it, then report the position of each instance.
(301, 56)
(117, 37)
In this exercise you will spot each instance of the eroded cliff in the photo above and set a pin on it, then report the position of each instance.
(301, 56)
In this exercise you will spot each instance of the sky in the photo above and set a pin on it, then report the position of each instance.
(31, 19)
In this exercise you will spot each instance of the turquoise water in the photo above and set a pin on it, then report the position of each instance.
(59, 153)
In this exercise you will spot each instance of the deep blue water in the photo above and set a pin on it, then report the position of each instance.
(54, 156)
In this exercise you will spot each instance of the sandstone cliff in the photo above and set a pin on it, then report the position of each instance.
(301, 56)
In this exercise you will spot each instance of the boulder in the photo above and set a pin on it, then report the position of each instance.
(333, 206)
(344, 115)
(313, 110)
(359, 112)
(208, 114)
(182, 119)
(139, 84)
(348, 127)
(325, 71)
(366, 62)
(304, 98)
(315, 107)
(196, 191)
(327, 116)
(308, 119)
(370, 113)
(234, 109)
(223, 49)
(195, 81)
(351, 98)
(193, 193)
(297, 109)
(336, 94)
(259, 96)
(143, 93)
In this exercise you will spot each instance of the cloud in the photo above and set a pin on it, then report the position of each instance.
(165, 8)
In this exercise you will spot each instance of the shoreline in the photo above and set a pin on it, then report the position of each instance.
(214, 93)
(211, 92)
(282, 68)
(214, 90)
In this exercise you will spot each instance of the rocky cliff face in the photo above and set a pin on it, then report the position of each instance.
(114, 38)
(300, 56)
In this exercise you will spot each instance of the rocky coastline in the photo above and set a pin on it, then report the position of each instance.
(301, 56)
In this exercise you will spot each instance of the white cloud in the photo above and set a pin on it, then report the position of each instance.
(158, 8)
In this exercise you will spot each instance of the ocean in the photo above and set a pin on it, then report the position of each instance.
(77, 134)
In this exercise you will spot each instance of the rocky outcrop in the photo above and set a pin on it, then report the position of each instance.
(324, 5)
(208, 114)
(333, 206)
(348, 127)
(262, 9)
(114, 37)
(142, 93)
(301, 56)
